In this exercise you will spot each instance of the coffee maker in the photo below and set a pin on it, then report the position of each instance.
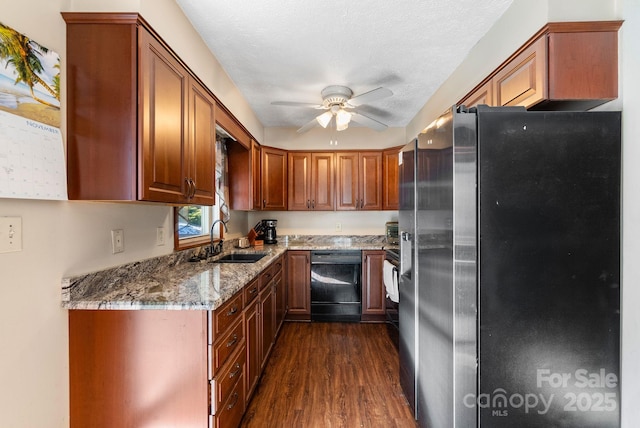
(269, 231)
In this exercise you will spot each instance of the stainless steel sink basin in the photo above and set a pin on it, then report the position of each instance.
(240, 258)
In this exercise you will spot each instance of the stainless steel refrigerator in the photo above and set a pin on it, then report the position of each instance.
(510, 269)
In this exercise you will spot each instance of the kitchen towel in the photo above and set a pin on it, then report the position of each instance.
(390, 278)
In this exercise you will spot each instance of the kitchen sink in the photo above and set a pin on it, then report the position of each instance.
(240, 258)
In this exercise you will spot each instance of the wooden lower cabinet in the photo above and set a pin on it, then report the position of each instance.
(138, 368)
(189, 368)
(373, 290)
(267, 322)
(298, 280)
(252, 323)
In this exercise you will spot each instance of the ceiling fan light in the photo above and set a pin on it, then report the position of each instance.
(324, 118)
(343, 118)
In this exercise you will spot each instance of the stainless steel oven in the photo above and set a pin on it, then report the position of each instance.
(336, 290)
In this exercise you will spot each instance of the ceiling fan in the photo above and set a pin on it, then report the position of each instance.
(340, 104)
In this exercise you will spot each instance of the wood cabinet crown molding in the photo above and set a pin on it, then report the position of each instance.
(563, 66)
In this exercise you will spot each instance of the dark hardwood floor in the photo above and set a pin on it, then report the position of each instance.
(330, 375)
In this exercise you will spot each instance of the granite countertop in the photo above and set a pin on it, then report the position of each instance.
(173, 282)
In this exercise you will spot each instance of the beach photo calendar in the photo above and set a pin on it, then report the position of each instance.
(32, 164)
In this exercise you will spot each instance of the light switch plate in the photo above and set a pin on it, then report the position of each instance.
(10, 234)
(160, 236)
(117, 241)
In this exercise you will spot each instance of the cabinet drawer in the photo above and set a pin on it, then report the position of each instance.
(227, 314)
(277, 265)
(230, 414)
(265, 277)
(251, 291)
(222, 385)
(227, 345)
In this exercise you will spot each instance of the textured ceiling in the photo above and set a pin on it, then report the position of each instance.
(289, 50)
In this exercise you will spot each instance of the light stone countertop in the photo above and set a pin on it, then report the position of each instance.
(172, 282)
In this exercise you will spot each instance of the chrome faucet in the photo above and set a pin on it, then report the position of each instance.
(216, 249)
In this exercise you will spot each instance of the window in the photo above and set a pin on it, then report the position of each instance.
(193, 222)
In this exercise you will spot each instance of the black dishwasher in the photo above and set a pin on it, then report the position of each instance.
(336, 289)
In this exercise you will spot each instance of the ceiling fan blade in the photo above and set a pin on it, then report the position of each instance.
(313, 122)
(367, 121)
(367, 97)
(296, 104)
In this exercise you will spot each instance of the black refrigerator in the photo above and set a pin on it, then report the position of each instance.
(509, 309)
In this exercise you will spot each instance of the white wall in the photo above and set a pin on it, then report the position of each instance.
(630, 66)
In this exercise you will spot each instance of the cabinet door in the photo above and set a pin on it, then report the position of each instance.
(322, 193)
(281, 301)
(274, 179)
(164, 88)
(298, 281)
(267, 321)
(390, 182)
(256, 176)
(483, 95)
(299, 175)
(373, 291)
(370, 181)
(202, 150)
(347, 197)
(523, 82)
(254, 349)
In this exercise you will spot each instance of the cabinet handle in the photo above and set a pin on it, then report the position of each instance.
(308, 204)
(187, 192)
(253, 290)
(232, 341)
(313, 204)
(361, 203)
(234, 373)
(232, 311)
(235, 401)
(193, 188)
(264, 203)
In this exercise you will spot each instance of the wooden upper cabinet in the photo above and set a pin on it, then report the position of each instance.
(256, 176)
(482, 95)
(565, 66)
(202, 147)
(311, 182)
(390, 179)
(370, 176)
(274, 178)
(523, 81)
(359, 176)
(139, 124)
(244, 163)
(299, 181)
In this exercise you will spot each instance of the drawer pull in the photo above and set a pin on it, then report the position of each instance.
(232, 341)
(253, 290)
(233, 374)
(235, 401)
(232, 311)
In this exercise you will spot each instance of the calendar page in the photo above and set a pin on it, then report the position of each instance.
(31, 148)
(31, 159)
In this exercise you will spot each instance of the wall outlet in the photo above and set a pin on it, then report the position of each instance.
(10, 234)
(338, 227)
(117, 241)
(160, 236)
